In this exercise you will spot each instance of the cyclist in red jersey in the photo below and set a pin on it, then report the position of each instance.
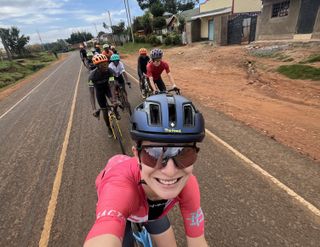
(155, 69)
(158, 177)
(107, 51)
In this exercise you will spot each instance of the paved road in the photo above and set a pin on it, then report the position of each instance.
(242, 206)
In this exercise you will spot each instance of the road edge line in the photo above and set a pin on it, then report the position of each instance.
(282, 186)
(45, 234)
(12, 107)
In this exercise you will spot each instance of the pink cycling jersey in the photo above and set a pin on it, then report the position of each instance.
(121, 197)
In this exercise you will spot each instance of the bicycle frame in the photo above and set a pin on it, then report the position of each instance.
(142, 236)
(115, 127)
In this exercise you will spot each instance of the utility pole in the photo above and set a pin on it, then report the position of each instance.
(129, 14)
(40, 39)
(111, 27)
(95, 26)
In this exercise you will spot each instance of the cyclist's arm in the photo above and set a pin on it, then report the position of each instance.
(103, 240)
(139, 68)
(152, 84)
(92, 96)
(171, 79)
(92, 99)
(197, 242)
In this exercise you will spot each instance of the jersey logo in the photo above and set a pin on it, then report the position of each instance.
(196, 218)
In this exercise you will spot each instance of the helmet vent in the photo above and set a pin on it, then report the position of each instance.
(172, 115)
(188, 115)
(155, 118)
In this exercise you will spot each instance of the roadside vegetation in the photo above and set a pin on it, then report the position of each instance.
(131, 48)
(12, 71)
(299, 71)
(311, 59)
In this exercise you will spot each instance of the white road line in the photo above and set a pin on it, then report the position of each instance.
(45, 235)
(32, 90)
(282, 186)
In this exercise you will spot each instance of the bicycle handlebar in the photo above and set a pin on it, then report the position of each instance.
(176, 90)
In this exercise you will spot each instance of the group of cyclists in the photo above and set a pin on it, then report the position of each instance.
(144, 188)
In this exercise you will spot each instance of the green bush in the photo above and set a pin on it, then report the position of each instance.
(152, 39)
(140, 39)
(168, 40)
(176, 39)
(298, 71)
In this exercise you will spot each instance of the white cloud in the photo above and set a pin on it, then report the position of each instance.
(26, 8)
(63, 33)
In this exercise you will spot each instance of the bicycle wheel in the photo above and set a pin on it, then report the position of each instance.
(124, 101)
(118, 134)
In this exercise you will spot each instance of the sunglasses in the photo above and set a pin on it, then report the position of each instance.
(156, 60)
(158, 156)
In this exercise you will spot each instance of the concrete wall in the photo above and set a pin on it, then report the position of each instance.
(193, 30)
(280, 27)
(241, 6)
(316, 27)
(204, 27)
(215, 4)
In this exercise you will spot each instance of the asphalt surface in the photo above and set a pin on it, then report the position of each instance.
(242, 207)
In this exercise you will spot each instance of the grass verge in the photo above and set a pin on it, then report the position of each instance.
(12, 71)
(299, 71)
(131, 48)
(312, 59)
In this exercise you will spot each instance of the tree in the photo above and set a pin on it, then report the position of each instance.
(157, 9)
(137, 24)
(101, 33)
(13, 42)
(3, 34)
(147, 23)
(145, 4)
(159, 22)
(170, 6)
(118, 29)
(182, 23)
(78, 37)
(186, 4)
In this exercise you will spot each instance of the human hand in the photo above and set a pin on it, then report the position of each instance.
(96, 113)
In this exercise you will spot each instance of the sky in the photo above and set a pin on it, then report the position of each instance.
(57, 19)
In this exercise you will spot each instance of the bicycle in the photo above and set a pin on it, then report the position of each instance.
(122, 96)
(176, 90)
(115, 127)
(141, 235)
(146, 91)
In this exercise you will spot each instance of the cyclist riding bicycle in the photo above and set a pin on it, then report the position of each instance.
(83, 55)
(113, 49)
(107, 51)
(155, 69)
(99, 85)
(119, 71)
(144, 188)
(143, 60)
(90, 64)
(97, 48)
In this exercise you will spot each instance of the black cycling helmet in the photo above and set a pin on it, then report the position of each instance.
(168, 119)
(156, 53)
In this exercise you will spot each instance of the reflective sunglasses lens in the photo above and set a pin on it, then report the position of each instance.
(187, 157)
(150, 156)
(182, 156)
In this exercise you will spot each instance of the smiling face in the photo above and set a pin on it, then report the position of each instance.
(156, 62)
(163, 182)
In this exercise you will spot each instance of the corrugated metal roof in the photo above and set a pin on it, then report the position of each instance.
(212, 13)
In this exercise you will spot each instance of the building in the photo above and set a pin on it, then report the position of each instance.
(225, 21)
(289, 19)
